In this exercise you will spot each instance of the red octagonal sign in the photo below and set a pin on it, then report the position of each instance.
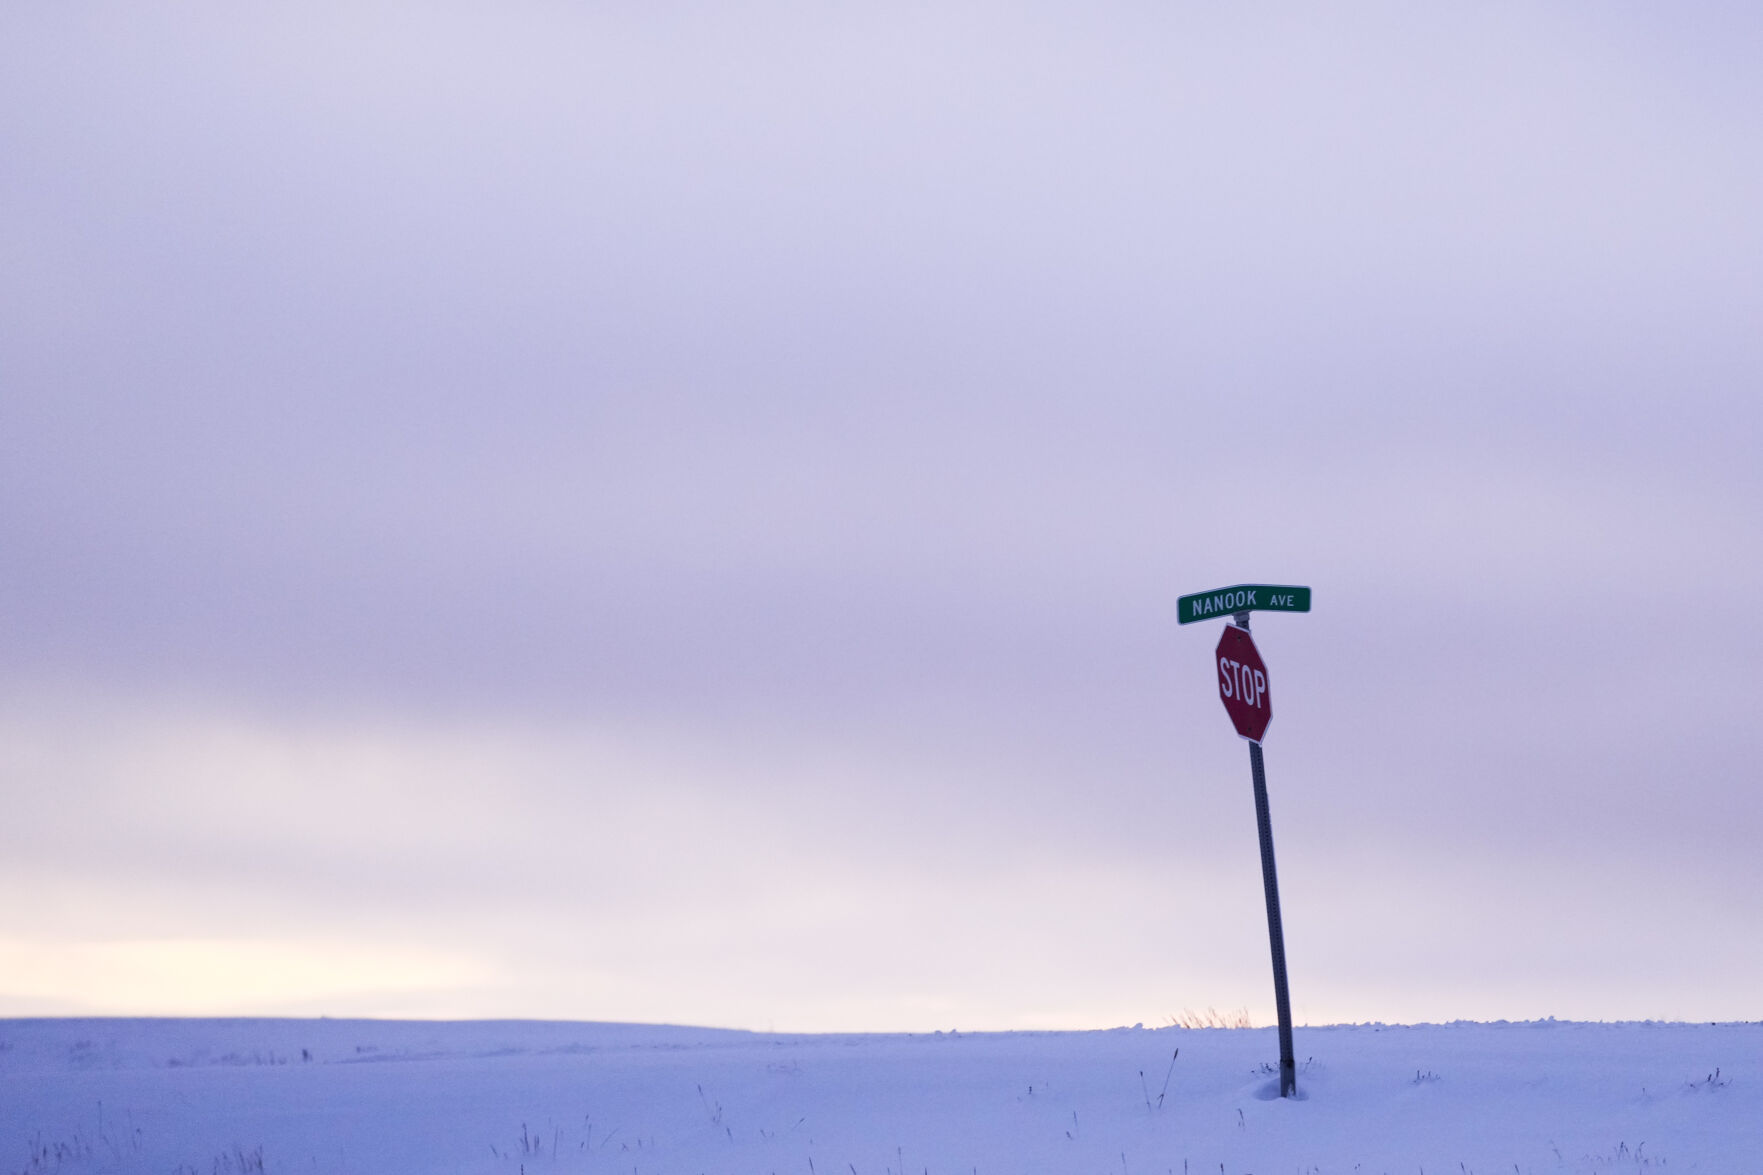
(1242, 683)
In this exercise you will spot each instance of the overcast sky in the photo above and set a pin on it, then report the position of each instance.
(675, 514)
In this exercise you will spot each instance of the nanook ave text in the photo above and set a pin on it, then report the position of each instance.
(1236, 600)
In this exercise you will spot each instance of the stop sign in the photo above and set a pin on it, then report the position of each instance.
(1242, 683)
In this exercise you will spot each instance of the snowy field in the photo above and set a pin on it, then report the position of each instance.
(214, 1097)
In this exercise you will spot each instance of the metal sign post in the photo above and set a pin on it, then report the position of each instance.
(1276, 935)
(1243, 687)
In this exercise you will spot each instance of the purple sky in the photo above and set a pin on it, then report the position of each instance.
(670, 514)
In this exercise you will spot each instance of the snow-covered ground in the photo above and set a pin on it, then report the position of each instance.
(212, 1097)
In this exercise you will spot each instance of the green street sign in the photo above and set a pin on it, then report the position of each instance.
(1244, 597)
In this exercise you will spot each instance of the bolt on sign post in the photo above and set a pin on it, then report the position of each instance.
(1243, 688)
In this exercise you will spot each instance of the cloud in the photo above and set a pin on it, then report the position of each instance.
(441, 450)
